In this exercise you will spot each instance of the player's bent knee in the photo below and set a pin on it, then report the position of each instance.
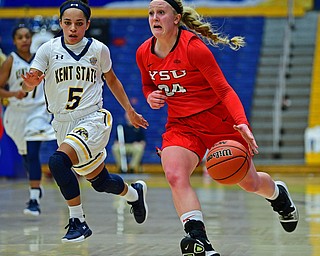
(60, 167)
(109, 183)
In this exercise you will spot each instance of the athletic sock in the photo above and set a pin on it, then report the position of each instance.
(131, 195)
(192, 215)
(275, 193)
(35, 194)
(76, 212)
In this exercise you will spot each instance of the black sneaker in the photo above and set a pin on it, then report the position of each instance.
(41, 192)
(284, 206)
(139, 208)
(196, 242)
(33, 208)
(77, 232)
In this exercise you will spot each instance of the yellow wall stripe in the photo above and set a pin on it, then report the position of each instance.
(265, 11)
(314, 107)
(267, 8)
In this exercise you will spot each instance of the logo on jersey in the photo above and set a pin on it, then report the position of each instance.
(59, 57)
(93, 61)
(82, 132)
(69, 73)
(166, 75)
(168, 81)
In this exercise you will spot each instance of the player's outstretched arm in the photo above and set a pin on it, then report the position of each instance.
(118, 91)
(32, 79)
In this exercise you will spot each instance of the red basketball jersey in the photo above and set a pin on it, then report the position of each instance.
(189, 75)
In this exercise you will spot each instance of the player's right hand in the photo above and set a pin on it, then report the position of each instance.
(31, 79)
(156, 99)
(248, 136)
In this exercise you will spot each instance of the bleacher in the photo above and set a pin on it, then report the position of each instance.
(125, 34)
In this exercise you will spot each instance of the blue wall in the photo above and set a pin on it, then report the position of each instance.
(52, 3)
(239, 67)
(123, 38)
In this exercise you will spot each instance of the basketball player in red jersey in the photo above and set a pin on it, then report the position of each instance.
(179, 70)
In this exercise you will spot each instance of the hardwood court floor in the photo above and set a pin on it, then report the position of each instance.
(238, 223)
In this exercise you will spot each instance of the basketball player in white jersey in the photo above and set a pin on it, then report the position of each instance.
(26, 119)
(73, 68)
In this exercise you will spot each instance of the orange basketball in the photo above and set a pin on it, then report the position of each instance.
(228, 162)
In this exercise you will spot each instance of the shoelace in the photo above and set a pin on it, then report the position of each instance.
(135, 208)
(32, 203)
(71, 225)
(284, 208)
(201, 237)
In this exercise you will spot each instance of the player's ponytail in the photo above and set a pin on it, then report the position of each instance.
(195, 22)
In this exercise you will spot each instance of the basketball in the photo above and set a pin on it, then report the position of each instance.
(228, 162)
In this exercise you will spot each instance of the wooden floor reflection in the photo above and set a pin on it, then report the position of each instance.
(238, 223)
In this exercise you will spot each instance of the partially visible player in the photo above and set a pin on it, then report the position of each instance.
(26, 119)
(3, 57)
(179, 70)
(74, 67)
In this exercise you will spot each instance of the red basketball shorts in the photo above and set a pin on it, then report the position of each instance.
(201, 131)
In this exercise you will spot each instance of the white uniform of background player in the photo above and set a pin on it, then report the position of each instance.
(74, 91)
(26, 119)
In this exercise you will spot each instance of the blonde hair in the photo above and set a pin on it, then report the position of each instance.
(195, 22)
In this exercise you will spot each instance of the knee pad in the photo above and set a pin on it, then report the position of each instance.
(109, 183)
(60, 167)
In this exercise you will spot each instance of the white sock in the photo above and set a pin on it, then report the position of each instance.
(275, 193)
(76, 212)
(131, 195)
(35, 194)
(192, 215)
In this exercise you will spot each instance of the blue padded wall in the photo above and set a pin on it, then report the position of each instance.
(19, 3)
(125, 35)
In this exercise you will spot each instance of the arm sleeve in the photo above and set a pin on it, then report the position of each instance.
(147, 84)
(201, 57)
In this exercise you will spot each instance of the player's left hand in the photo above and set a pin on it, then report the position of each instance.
(248, 136)
(137, 120)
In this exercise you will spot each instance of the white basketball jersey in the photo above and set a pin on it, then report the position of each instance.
(73, 73)
(21, 66)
